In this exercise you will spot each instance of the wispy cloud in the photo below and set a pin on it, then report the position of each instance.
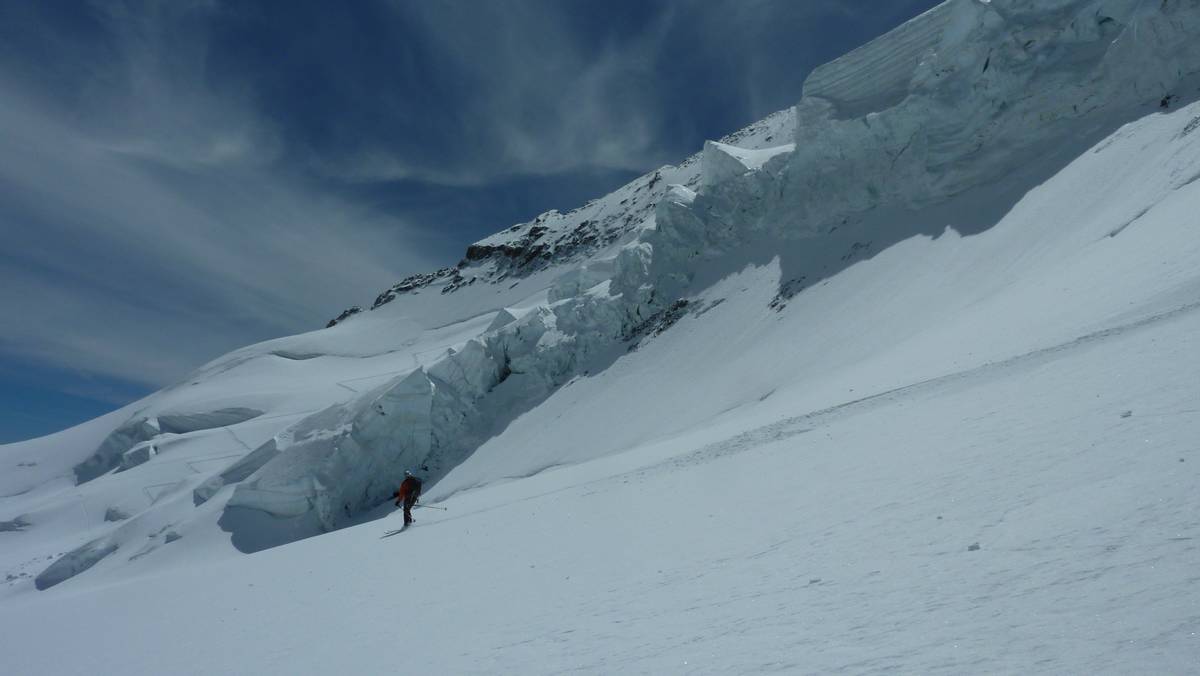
(180, 178)
(540, 87)
(522, 90)
(155, 231)
(117, 267)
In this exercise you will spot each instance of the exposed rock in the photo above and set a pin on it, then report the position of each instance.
(558, 239)
(346, 314)
(659, 322)
(787, 291)
(412, 284)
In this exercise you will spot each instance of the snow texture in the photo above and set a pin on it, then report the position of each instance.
(921, 351)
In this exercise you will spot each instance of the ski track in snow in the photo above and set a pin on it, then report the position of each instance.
(763, 437)
(843, 548)
(801, 424)
(1040, 567)
(1018, 496)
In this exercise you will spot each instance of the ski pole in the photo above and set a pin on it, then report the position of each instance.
(432, 507)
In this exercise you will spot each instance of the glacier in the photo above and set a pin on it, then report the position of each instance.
(974, 92)
(988, 189)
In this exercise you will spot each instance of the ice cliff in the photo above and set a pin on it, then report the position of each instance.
(961, 98)
(952, 100)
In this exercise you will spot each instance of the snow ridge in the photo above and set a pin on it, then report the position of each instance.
(983, 100)
(555, 239)
(976, 96)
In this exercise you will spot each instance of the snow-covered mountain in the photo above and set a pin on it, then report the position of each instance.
(900, 379)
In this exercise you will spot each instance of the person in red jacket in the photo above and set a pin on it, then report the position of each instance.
(410, 490)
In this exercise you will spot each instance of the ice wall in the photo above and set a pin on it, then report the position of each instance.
(877, 75)
(995, 88)
(957, 98)
(349, 458)
(128, 444)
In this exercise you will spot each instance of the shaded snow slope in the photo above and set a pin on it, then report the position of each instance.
(1033, 516)
(1062, 264)
(994, 207)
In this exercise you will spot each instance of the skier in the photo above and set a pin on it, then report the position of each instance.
(410, 490)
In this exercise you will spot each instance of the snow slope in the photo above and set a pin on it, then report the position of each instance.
(141, 481)
(762, 428)
(842, 539)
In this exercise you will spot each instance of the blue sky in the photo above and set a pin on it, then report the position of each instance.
(178, 179)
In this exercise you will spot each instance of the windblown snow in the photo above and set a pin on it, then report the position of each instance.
(902, 379)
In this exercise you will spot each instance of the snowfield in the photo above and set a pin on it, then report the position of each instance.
(903, 380)
(835, 540)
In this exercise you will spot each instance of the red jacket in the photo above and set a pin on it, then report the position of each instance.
(410, 486)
